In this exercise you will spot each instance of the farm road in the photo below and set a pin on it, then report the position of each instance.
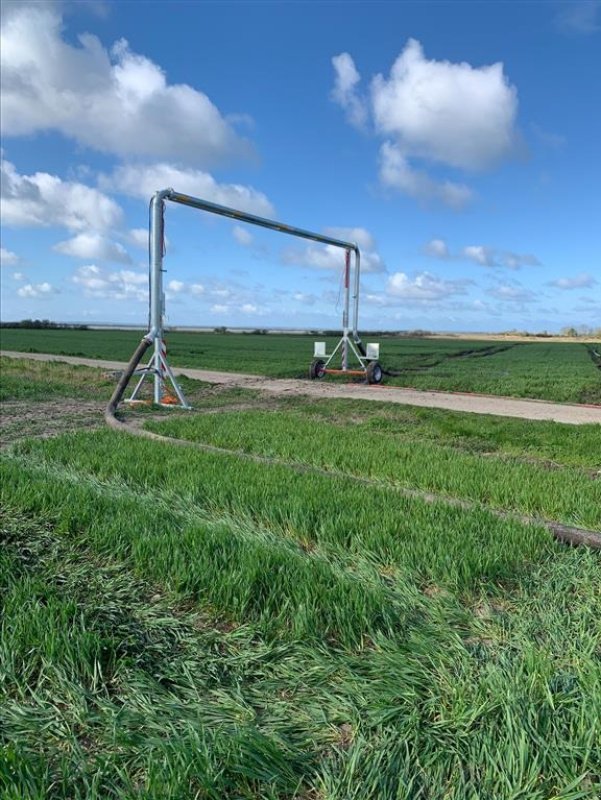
(474, 403)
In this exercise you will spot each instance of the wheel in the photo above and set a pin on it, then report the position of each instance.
(317, 369)
(374, 372)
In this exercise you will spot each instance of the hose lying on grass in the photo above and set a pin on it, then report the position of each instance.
(563, 533)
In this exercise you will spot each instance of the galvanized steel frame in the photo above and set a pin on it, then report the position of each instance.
(158, 365)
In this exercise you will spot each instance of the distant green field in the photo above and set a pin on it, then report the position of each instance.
(565, 372)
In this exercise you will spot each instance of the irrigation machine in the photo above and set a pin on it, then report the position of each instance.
(349, 346)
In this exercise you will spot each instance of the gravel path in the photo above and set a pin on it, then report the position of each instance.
(454, 401)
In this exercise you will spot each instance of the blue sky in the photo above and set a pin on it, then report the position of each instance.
(457, 143)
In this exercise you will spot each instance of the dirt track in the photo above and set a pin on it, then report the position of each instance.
(477, 404)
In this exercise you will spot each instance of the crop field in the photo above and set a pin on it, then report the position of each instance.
(311, 600)
(560, 371)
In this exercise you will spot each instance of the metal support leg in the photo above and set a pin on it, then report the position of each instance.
(345, 315)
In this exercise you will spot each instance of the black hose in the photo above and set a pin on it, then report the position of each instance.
(109, 412)
(563, 533)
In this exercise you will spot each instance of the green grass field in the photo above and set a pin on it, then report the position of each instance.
(561, 371)
(347, 617)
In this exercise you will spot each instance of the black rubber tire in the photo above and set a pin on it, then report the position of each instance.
(317, 369)
(374, 373)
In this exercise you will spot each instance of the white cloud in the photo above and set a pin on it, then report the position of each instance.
(489, 257)
(249, 308)
(437, 248)
(176, 286)
(396, 172)
(219, 309)
(222, 291)
(451, 114)
(305, 299)
(8, 258)
(138, 237)
(43, 200)
(512, 293)
(123, 284)
(115, 101)
(480, 254)
(423, 287)
(579, 17)
(144, 180)
(517, 260)
(581, 281)
(421, 290)
(242, 236)
(360, 236)
(330, 257)
(93, 246)
(455, 114)
(19, 276)
(36, 290)
(344, 92)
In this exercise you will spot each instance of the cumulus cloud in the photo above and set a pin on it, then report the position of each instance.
(423, 287)
(144, 180)
(480, 255)
(19, 276)
(581, 281)
(330, 257)
(455, 114)
(242, 236)
(93, 246)
(517, 260)
(490, 257)
(345, 90)
(123, 284)
(43, 200)
(36, 290)
(397, 173)
(115, 101)
(512, 293)
(138, 237)
(176, 286)
(451, 114)
(8, 258)
(437, 248)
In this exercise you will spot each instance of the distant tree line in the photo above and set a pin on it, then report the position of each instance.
(568, 331)
(581, 330)
(43, 323)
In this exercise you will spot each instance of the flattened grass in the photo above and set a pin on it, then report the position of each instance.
(372, 450)
(177, 624)
(433, 540)
(120, 683)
